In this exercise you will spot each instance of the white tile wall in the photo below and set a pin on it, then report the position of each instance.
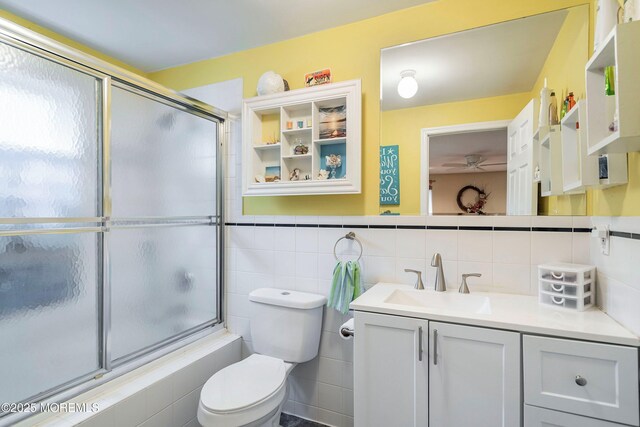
(301, 258)
(618, 290)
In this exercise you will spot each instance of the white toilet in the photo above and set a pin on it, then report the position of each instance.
(285, 330)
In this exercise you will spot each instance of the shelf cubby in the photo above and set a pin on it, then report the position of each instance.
(620, 49)
(550, 161)
(299, 115)
(324, 148)
(579, 170)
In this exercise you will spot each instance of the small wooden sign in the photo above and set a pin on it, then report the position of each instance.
(317, 78)
(389, 175)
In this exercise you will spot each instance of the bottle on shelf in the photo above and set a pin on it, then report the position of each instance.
(565, 108)
(610, 92)
(553, 109)
(572, 101)
(545, 94)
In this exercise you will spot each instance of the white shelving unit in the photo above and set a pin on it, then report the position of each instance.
(621, 48)
(550, 155)
(579, 170)
(299, 115)
(550, 161)
(536, 152)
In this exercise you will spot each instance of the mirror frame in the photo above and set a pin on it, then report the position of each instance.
(426, 133)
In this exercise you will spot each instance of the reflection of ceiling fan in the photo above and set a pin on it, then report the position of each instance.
(473, 161)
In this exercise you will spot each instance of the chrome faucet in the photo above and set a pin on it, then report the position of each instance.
(419, 285)
(440, 285)
(464, 289)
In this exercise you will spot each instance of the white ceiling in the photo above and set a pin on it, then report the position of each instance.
(157, 34)
(491, 145)
(495, 60)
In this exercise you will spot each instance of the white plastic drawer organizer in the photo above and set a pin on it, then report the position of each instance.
(570, 286)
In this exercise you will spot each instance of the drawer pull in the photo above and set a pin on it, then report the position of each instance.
(581, 381)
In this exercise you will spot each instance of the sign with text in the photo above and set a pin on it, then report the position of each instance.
(389, 175)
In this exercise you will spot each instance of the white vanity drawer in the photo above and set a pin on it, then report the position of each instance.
(538, 417)
(596, 380)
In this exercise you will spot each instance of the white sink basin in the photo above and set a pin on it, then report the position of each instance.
(449, 301)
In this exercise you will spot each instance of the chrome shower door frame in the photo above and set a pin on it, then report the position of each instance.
(109, 76)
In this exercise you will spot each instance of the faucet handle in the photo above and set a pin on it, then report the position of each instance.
(464, 289)
(419, 284)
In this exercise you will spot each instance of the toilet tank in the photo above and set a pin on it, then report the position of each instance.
(286, 324)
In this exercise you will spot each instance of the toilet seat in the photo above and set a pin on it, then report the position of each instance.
(244, 391)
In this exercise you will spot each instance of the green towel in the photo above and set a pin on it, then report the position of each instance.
(345, 286)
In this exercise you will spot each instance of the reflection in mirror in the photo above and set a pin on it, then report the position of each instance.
(474, 117)
(473, 166)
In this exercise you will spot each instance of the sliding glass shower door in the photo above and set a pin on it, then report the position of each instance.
(109, 221)
(50, 204)
(162, 248)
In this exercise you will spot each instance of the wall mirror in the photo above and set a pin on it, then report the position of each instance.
(463, 111)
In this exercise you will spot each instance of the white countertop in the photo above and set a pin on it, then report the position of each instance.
(520, 313)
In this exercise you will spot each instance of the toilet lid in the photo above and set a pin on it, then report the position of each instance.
(243, 384)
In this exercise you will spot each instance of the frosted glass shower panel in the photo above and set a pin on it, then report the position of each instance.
(49, 138)
(48, 312)
(163, 283)
(163, 159)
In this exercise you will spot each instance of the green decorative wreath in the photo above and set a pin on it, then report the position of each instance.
(478, 205)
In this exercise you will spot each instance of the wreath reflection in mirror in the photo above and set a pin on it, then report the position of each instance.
(477, 206)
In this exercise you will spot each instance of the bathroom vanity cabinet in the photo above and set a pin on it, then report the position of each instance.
(408, 370)
(406, 366)
(391, 375)
(474, 373)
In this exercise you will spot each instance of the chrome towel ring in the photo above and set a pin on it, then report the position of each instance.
(349, 236)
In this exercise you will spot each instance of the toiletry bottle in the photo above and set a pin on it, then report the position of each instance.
(609, 80)
(553, 109)
(572, 101)
(543, 117)
(565, 107)
(610, 92)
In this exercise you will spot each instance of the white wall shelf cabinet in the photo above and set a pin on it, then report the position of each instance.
(579, 170)
(266, 119)
(551, 174)
(619, 49)
(550, 161)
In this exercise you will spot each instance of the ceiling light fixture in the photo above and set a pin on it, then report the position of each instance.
(408, 86)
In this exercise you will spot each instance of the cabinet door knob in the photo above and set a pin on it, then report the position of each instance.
(581, 381)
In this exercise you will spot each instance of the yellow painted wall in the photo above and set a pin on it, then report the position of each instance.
(564, 71)
(352, 52)
(402, 127)
(270, 128)
(67, 41)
